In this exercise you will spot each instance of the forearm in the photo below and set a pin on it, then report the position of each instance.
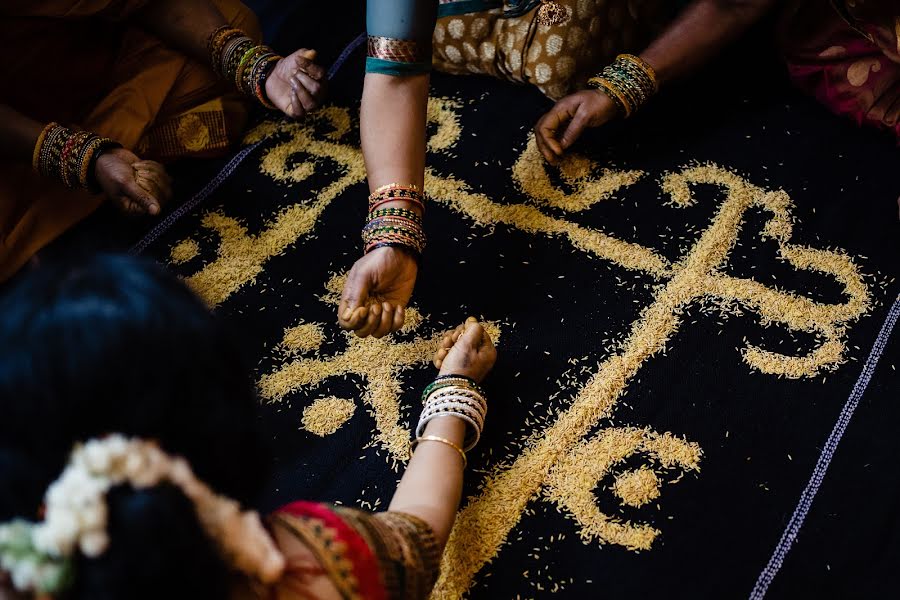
(431, 487)
(699, 32)
(18, 134)
(392, 129)
(183, 24)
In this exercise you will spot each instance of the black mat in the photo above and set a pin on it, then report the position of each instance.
(565, 301)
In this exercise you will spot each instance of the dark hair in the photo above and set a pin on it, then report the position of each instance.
(117, 344)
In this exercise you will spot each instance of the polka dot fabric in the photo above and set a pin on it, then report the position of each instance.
(558, 59)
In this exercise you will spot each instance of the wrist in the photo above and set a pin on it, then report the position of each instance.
(68, 155)
(236, 57)
(450, 427)
(395, 219)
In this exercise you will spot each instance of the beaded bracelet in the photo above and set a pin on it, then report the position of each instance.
(473, 433)
(395, 227)
(445, 380)
(629, 82)
(237, 58)
(395, 191)
(455, 396)
(69, 155)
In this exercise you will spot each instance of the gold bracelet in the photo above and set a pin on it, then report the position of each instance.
(644, 66)
(435, 438)
(35, 157)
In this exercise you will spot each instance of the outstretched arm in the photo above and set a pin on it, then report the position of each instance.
(431, 487)
(702, 30)
(392, 124)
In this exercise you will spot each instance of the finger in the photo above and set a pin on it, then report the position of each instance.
(302, 93)
(145, 201)
(315, 71)
(472, 335)
(159, 176)
(125, 204)
(301, 63)
(543, 148)
(148, 185)
(371, 321)
(387, 319)
(439, 357)
(295, 108)
(555, 120)
(399, 318)
(353, 309)
(574, 128)
(486, 341)
(161, 188)
(150, 166)
(312, 86)
(447, 341)
(308, 53)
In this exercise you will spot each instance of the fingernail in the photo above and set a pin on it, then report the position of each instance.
(154, 209)
(347, 314)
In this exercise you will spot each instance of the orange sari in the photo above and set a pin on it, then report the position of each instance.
(80, 62)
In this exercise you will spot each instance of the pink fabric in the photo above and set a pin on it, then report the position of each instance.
(850, 63)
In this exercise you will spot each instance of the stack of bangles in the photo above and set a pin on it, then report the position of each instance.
(453, 396)
(629, 82)
(69, 155)
(236, 57)
(395, 227)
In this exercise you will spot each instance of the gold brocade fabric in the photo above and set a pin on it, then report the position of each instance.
(109, 78)
(405, 553)
(557, 59)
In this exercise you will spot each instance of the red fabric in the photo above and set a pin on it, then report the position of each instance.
(365, 564)
(853, 69)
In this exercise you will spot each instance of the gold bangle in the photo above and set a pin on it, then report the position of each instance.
(644, 66)
(604, 86)
(40, 142)
(435, 438)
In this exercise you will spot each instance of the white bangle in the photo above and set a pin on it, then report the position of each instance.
(440, 394)
(470, 440)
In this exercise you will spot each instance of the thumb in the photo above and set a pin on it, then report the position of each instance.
(141, 197)
(473, 333)
(353, 308)
(308, 54)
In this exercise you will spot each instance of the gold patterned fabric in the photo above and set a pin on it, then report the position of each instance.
(364, 556)
(120, 82)
(557, 59)
(405, 548)
(402, 51)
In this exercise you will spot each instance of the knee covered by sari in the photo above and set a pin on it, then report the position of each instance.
(372, 556)
(846, 55)
(89, 67)
(509, 41)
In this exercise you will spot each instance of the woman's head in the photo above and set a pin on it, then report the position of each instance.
(116, 344)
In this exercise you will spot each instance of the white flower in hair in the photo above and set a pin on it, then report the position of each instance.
(93, 543)
(38, 556)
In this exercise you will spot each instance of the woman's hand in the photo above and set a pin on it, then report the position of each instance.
(377, 291)
(136, 186)
(564, 123)
(296, 85)
(467, 350)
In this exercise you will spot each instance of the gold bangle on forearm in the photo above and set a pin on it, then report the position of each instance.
(445, 441)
